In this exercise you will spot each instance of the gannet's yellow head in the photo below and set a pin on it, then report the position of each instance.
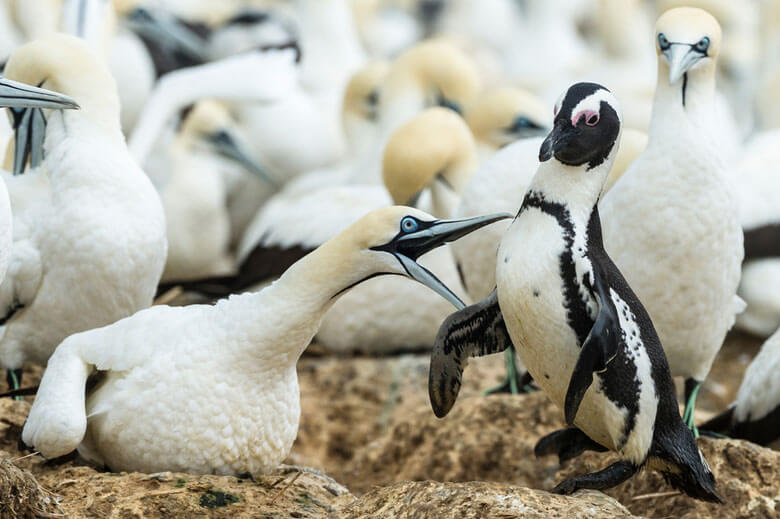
(687, 39)
(66, 64)
(500, 116)
(361, 97)
(209, 124)
(389, 241)
(443, 73)
(435, 151)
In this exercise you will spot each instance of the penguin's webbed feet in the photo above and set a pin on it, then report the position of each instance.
(609, 477)
(567, 444)
(514, 383)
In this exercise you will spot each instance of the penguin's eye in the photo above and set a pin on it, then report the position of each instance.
(663, 42)
(409, 224)
(592, 119)
(702, 45)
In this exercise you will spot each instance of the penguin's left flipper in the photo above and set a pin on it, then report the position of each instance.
(474, 331)
(600, 346)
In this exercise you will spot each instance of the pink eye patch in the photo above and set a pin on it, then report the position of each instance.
(591, 118)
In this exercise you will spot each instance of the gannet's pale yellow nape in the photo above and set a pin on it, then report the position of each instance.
(361, 96)
(499, 116)
(434, 150)
(437, 69)
(66, 64)
(688, 40)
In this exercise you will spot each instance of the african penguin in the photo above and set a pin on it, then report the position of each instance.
(671, 223)
(578, 327)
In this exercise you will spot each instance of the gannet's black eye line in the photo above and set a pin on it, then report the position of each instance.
(702, 45)
(663, 42)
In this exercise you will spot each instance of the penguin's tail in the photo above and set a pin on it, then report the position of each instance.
(679, 460)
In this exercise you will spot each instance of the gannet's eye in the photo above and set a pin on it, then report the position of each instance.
(409, 224)
(663, 42)
(702, 45)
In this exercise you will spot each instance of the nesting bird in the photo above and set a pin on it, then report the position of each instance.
(89, 230)
(671, 223)
(577, 325)
(213, 389)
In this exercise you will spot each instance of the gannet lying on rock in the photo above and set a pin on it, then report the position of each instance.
(213, 389)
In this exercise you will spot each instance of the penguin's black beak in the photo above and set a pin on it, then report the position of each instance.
(558, 139)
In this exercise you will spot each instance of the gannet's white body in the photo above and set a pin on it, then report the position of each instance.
(670, 223)
(213, 389)
(758, 189)
(89, 230)
(759, 393)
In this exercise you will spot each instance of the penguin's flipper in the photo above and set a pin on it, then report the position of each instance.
(474, 331)
(600, 347)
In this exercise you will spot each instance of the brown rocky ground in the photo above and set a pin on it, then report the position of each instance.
(367, 424)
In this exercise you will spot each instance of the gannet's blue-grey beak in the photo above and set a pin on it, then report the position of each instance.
(20, 95)
(228, 146)
(418, 237)
(165, 29)
(25, 102)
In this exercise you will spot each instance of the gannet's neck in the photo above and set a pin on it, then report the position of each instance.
(698, 85)
(94, 21)
(284, 317)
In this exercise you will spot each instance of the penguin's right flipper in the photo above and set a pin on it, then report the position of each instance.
(600, 346)
(474, 331)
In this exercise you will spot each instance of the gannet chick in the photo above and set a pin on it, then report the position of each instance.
(195, 195)
(89, 230)
(213, 389)
(755, 415)
(500, 116)
(671, 222)
(577, 325)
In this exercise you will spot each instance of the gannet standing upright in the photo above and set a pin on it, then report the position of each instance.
(213, 389)
(671, 222)
(89, 230)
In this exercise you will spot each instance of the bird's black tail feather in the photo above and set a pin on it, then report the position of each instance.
(682, 464)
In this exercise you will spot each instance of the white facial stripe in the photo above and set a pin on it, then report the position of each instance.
(592, 103)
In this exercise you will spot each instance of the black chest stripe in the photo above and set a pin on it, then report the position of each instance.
(576, 309)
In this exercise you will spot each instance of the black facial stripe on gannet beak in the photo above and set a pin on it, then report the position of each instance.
(409, 245)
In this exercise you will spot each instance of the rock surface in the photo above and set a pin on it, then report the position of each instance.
(479, 500)
(288, 492)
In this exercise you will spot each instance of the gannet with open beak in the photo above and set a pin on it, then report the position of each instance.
(214, 389)
(89, 230)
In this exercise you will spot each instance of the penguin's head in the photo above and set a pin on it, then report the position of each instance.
(687, 38)
(586, 127)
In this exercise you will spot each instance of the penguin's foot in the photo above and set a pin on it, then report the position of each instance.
(247, 475)
(14, 379)
(609, 477)
(692, 387)
(567, 444)
(513, 383)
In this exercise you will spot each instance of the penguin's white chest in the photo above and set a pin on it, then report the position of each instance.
(530, 294)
